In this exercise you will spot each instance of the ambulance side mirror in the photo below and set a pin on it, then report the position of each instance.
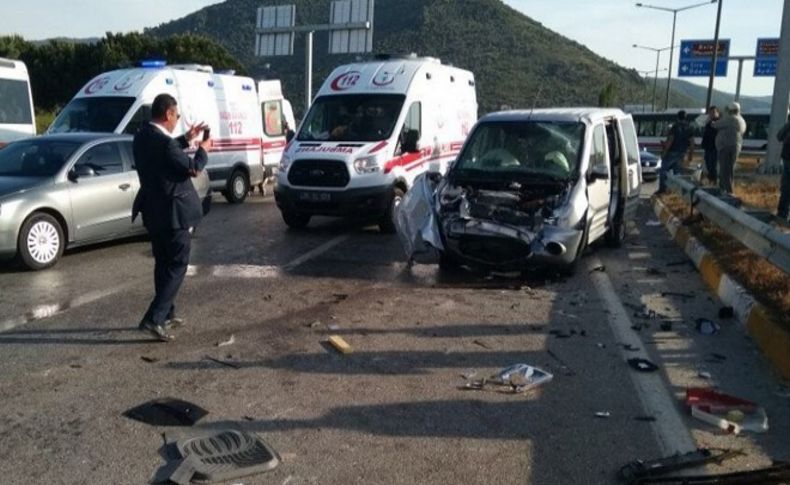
(410, 141)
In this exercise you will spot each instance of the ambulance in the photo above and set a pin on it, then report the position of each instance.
(17, 118)
(371, 130)
(247, 120)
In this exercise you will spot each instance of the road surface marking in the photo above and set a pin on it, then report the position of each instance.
(669, 427)
(316, 251)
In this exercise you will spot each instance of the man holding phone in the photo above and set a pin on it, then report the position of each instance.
(169, 204)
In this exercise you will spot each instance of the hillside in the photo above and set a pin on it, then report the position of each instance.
(699, 94)
(517, 62)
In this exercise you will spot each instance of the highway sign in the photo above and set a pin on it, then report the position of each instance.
(701, 67)
(696, 57)
(275, 44)
(348, 41)
(766, 57)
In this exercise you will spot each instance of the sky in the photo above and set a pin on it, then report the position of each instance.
(607, 27)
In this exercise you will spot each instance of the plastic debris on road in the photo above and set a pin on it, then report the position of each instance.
(653, 223)
(603, 414)
(167, 412)
(339, 344)
(516, 379)
(642, 365)
(729, 413)
(707, 327)
(230, 341)
(646, 471)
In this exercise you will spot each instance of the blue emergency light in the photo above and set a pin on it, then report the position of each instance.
(152, 63)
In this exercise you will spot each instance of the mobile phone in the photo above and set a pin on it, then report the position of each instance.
(206, 134)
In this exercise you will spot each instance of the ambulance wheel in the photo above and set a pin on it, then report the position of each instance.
(238, 187)
(296, 220)
(387, 221)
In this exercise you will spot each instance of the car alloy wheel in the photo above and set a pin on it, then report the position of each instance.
(43, 242)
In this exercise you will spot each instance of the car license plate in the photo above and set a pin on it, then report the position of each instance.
(315, 196)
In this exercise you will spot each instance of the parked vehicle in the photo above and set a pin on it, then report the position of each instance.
(528, 187)
(651, 164)
(17, 118)
(68, 190)
(373, 128)
(246, 125)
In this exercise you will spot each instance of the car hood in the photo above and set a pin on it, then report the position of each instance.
(12, 185)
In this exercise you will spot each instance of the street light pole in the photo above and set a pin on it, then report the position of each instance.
(655, 79)
(709, 98)
(674, 23)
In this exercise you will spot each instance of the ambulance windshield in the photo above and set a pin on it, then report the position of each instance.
(353, 117)
(99, 115)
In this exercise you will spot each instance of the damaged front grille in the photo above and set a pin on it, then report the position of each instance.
(493, 250)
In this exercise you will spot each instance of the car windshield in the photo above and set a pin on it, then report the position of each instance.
(522, 148)
(95, 115)
(35, 157)
(352, 118)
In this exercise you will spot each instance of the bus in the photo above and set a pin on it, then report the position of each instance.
(16, 102)
(652, 128)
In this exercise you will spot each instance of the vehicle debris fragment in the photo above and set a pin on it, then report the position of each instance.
(642, 365)
(339, 344)
(729, 413)
(726, 312)
(638, 471)
(167, 411)
(707, 327)
(225, 343)
(516, 379)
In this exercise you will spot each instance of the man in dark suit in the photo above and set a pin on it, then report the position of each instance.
(169, 204)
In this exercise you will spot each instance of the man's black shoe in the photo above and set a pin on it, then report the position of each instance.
(158, 331)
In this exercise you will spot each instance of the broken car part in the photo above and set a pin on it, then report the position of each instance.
(167, 412)
(642, 365)
(637, 470)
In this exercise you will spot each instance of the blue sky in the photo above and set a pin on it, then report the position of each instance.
(608, 27)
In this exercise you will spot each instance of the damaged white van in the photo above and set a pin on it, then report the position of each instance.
(528, 188)
(374, 127)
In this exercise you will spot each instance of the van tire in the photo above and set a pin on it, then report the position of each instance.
(571, 268)
(38, 256)
(615, 236)
(238, 187)
(295, 220)
(387, 221)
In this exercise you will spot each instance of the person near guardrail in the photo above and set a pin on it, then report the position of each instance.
(783, 211)
(729, 141)
(709, 144)
(679, 142)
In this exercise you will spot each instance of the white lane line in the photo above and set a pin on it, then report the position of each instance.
(316, 251)
(669, 428)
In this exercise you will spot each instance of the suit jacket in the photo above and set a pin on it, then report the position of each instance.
(167, 199)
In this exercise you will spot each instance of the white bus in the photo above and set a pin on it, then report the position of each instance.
(16, 102)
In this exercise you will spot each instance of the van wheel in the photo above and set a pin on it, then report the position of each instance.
(387, 221)
(615, 236)
(295, 220)
(238, 187)
(571, 268)
(41, 242)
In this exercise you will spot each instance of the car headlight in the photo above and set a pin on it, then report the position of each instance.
(367, 164)
(285, 162)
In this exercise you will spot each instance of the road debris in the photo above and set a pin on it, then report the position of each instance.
(726, 312)
(707, 327)
(150, 360)
(480, 343)
(600, 269)
(645, 419)
(339, 344)
(629, 348)
(230, 341)
(603, 414)
(516, 379)
(704, 374)
(641, 471)
(167, 411)
(642, 365)
(678, 294)
(653, 223)
(729, 413)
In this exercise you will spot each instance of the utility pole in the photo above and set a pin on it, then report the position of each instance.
(781, 98)
(709, 97)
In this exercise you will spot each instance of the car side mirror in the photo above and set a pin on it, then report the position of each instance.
(598, 172)
(81, 171)
(411, 141)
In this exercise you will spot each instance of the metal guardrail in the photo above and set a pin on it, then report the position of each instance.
(767, 241)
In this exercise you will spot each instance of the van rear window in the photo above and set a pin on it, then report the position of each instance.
(15, 102)
(101, 114)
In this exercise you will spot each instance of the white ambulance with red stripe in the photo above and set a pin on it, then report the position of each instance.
(247, 120)
(372, 128)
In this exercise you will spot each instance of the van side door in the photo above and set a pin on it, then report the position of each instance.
(632, 168)
(599, 181)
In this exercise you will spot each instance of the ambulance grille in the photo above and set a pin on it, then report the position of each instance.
(318, 173)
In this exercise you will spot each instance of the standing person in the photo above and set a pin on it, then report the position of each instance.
(679, 142)
(169, 204)
(729, 141)
(784, 196)
(709, 144)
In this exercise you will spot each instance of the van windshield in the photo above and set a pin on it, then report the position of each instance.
(96, 115)
(15, 102)
(522, 148)
(352, 117)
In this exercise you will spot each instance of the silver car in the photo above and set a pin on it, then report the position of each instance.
(59, 191)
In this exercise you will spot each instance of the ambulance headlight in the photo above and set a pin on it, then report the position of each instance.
(285, 162)
(366, 165)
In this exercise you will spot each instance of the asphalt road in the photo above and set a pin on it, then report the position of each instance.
(392, 411)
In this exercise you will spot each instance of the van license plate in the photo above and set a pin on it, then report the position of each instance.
(315, 196)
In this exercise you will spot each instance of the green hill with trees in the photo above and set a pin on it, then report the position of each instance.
(517, 62)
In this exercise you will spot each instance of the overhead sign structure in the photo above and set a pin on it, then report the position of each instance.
(347, 40)
(278, 43)
(767, 57)
(696, 57)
